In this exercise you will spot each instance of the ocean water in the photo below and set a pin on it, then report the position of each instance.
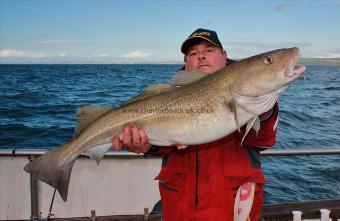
(38, 104)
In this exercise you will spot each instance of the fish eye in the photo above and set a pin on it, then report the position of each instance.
(268, 60)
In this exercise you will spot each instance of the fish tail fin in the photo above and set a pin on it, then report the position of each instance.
(48, 169)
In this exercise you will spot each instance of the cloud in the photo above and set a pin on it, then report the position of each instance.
(281, 6)
(5, 53)
(314, 52)
(333, 54)
(136, 54)
(263, 45)
(63, 55)
(103, 55)
(208, 23)
(248, 47)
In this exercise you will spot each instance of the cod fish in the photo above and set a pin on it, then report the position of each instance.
(186, 112)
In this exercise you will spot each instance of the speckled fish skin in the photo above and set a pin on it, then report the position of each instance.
(199, 112)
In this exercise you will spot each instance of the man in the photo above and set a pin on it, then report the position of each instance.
(201, 182)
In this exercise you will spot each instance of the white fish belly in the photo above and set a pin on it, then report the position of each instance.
(203, 129)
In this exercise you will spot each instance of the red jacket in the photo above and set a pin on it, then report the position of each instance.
(200, 182)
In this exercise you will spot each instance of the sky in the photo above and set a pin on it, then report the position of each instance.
(103, 31)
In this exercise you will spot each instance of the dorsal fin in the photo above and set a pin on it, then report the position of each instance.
(86, 115)
(181, 78)
(150, 91)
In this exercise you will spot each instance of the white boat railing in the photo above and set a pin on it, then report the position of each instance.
(92, 187)
(120, 154)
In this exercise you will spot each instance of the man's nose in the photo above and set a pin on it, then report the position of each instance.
(201, 55)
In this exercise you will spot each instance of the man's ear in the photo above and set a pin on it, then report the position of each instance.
(225, 53)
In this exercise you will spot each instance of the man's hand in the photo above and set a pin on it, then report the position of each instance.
(134, 138)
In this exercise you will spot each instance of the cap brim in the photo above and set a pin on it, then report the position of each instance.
(186, 44)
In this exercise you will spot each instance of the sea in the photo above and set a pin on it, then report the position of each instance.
(38, 105)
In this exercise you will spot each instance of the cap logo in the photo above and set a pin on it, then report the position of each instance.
(201, 34)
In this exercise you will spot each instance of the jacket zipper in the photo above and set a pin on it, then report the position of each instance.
(197, 170)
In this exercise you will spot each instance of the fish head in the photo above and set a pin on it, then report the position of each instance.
(267, 72)
(261, 78)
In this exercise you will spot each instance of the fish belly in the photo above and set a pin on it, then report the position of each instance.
(201, 129)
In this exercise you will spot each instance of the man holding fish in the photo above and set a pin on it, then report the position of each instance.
(223, 114)
(220, 180)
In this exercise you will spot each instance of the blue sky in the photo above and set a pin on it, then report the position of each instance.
(85, 31)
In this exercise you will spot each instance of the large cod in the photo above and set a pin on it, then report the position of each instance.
(188, 112)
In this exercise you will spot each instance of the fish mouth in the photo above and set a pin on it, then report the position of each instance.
(298, 69)
(293, 70)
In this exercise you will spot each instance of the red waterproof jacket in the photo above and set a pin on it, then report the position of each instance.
(201, 181)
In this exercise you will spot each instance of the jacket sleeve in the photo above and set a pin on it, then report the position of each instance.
(266, 136)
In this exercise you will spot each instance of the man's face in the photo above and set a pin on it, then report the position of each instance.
(205, 57)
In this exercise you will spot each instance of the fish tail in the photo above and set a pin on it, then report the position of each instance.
(49, 169)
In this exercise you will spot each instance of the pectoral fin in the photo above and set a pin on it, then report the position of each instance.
(253, 124)
(233, 109)
(256, 105)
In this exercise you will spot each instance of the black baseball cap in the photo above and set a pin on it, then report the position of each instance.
(197, 36)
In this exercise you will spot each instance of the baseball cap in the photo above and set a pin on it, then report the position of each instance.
(199, 34)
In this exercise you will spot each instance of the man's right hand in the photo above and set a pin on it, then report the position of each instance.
(134, 138)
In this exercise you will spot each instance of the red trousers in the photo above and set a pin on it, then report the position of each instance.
(174, 201)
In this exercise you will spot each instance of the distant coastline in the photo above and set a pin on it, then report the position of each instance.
(304, 61)
(321, 61)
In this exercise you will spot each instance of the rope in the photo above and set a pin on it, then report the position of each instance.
(50, 210)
